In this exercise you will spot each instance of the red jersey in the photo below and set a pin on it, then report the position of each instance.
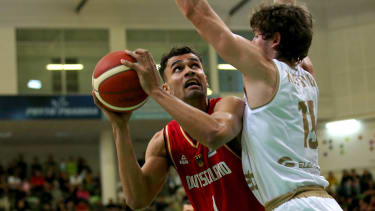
(212, 179)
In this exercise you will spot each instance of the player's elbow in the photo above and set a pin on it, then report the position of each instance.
(215, 139)
(136, 204)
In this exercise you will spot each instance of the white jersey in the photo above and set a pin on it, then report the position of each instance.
(279, 145)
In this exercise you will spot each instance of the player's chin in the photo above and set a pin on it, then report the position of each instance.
(195, 93)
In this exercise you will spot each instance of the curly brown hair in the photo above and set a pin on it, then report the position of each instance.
(294, 23)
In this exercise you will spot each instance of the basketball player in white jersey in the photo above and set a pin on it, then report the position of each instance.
(279, 145)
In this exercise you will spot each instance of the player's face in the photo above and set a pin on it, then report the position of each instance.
(266, 45)
(187, 207)
(185, 77)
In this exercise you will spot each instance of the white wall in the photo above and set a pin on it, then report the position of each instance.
(349, 151)
(8, 79)
(350, 45)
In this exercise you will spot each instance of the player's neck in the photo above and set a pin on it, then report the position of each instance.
(199, 103)
(289, 63)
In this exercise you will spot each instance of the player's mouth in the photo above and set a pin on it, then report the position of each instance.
(192, 83)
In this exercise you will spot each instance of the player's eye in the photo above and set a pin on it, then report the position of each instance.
(195, 65)
(178, 69)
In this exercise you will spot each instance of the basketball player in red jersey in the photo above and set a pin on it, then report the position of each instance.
(211, 173)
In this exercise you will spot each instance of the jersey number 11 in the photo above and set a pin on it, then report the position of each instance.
(308, 107)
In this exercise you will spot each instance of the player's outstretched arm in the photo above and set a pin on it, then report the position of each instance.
(140, 185)
(236, 50)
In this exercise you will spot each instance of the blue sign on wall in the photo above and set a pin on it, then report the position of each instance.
(48, 107)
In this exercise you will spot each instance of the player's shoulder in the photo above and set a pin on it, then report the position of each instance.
(157, 140)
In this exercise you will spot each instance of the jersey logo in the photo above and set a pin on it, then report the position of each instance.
(183, 160)
(211, 153)
(199, 160)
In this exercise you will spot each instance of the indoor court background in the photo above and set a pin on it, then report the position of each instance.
(40, 32)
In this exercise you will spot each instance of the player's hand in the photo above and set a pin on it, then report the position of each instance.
(146, 69)
(307, 65)
(284, 1)
(187, 6)
(117, 119)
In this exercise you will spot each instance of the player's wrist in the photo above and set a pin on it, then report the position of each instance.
(157, 93)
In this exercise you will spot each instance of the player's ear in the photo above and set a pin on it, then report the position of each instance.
(166, 88)
(276, 39)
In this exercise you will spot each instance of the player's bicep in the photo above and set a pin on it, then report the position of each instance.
(245, 56)
(156, 165)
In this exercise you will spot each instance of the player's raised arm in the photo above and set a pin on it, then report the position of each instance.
(238, 51)
(140, 185)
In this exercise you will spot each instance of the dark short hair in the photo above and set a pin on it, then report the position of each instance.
(176, 51)
(294, 23)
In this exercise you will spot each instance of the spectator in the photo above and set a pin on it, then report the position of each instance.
(36, 166)
(82, 205)
(365, 178)
(82, 194)
(46, 196)
(186, 205)
(22, 205)
(332, 182)
(64, 182)
(37, 181)
(50, 163)
(354, 175)
(71, 167)
(75, 179)
(345, 177)
(4, 199)
(50, 175)
(14, 181)
(22, 167)
(56, 192)
(62, 165)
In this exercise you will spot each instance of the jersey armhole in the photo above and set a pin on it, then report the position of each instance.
(168, 147)
(278, 79)
(231, 147)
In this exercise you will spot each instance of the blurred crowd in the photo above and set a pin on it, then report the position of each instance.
(49, 185)
(70, 184)
(354, 192)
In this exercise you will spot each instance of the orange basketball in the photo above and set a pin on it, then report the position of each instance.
(116, 86)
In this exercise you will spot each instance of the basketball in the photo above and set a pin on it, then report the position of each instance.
(116, 86)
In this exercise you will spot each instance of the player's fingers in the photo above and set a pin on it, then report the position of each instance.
(128, 63)
(96, 101)
(131, 53)
(141, 51)
(134, 66)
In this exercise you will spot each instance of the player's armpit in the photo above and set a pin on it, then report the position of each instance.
(228, 113)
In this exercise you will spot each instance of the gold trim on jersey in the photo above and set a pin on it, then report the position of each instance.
(300, 192)
(188, 139)
(169, 146)
(276, 91)
(230, 150)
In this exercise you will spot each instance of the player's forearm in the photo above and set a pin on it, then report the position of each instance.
(200, 125)
(134, 184)
(209, 25)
